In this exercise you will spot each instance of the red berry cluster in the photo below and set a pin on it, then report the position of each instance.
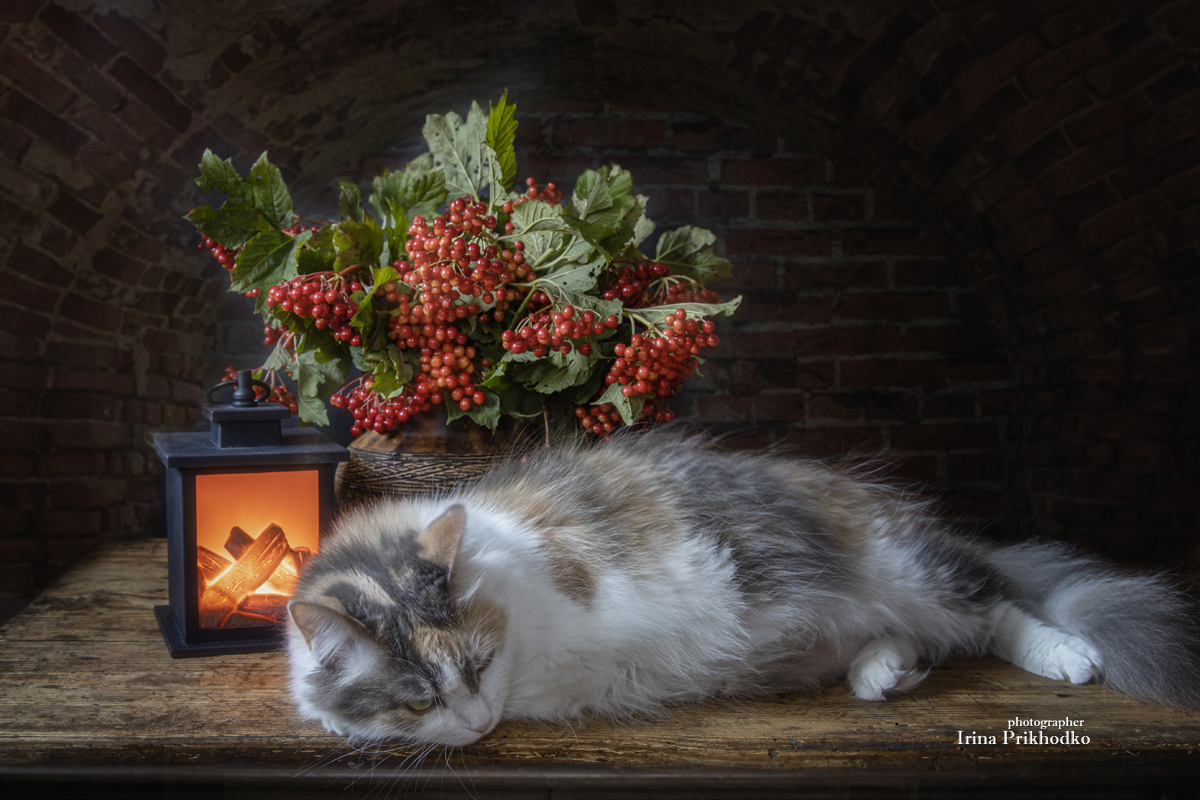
(373, 412)
(323, 298)
(604, 419)
(631, 284)
(659, 365)
(561, 330)
(226, 257)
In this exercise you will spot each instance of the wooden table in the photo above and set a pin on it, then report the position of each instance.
(89, 695)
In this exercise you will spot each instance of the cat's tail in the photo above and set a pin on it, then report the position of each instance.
(1145, 631)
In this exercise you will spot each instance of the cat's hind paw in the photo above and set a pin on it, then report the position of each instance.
(884, 665)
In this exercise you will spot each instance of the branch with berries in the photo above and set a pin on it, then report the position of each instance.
(455, 290)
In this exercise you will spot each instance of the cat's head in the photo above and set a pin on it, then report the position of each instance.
(385, 645)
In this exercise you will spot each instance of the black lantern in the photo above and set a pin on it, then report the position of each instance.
(246, 504)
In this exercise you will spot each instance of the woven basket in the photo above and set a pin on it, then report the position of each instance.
(425, 455)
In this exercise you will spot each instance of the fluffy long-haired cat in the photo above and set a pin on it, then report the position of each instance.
(652, 570)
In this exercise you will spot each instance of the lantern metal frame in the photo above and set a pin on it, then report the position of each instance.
(245, 439)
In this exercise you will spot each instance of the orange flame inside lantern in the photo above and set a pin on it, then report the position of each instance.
(254, 533)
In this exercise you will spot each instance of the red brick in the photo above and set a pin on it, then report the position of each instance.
(847, 340)
(827, 207)
(144, 49)
(76, 32)
(745, 241)
(1030, 235)
(724, 408)
(703, 136)
(850, 441)
(87, 493)
(19, 10)
(723, 203)
(773, 172)
(148, 127)
(90, 313)
(836, 275)
(941, 273)
(157, 97)
(987, 74)
(89, 434)
(1062, 64)
(948, 406)
(897, 306)
(1024, 128)
(815, 374)
(663, 170)
(782, 205)
(889, 406)
(39, 84)
(886, 241)
(762, 344)
(772, 407)
(1132, 215)
(73, 214)
(947, 436)
(47, 127)
(608, 133)
(867, 373)
(933, 126)
(1084, 165)
(90, 81)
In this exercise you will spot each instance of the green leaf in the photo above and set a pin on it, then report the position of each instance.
(218, 175)
(233, 224)
(316, 376)
(266, 260)
(269, 194)
(643, 226)
(311, 410)
(358, 242)
(399, 196)
(656, 314)
(630, 408)
(460, 150)
(501, 131)
(280, 358)
(350, 201)
(535, 216)
(488, 415)
(686, 251)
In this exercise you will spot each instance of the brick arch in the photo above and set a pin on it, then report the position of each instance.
(1049, 147)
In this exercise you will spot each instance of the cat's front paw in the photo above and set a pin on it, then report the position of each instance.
(1063, 657)
(884, 665)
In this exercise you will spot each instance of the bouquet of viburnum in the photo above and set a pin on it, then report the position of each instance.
(456, 290)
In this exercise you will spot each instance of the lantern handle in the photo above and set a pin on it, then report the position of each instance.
(243, 393)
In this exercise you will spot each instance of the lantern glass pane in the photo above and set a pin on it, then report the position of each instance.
(254, 533)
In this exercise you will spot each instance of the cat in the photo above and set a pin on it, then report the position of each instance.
(656, 569)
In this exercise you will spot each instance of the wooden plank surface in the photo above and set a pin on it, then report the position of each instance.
(86, 683)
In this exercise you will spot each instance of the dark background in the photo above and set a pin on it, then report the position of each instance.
(966, 232)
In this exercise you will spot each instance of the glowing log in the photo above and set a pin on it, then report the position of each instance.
(247, 574)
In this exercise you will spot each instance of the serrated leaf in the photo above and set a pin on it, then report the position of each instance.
(358, 242)
(656, 314)
(460, 150)
(233, 224)
(266, 260)
(488, 415)
(685, 251)
(311, 410)
(501, 131)
(350, 201)
(682, 242)
(630, 408)
(535, 216)
(269, 194)
(217, 175)
(643, 226)
(571, 277)
(399, 196)
(591, 195)
(280, 358)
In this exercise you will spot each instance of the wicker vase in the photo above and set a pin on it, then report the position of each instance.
(427, 454)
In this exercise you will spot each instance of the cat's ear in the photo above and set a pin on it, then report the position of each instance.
(328, 631)
(439, 542)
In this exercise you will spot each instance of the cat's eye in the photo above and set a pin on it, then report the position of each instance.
(420, 705)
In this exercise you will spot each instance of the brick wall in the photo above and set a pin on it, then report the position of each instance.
(929, 203)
